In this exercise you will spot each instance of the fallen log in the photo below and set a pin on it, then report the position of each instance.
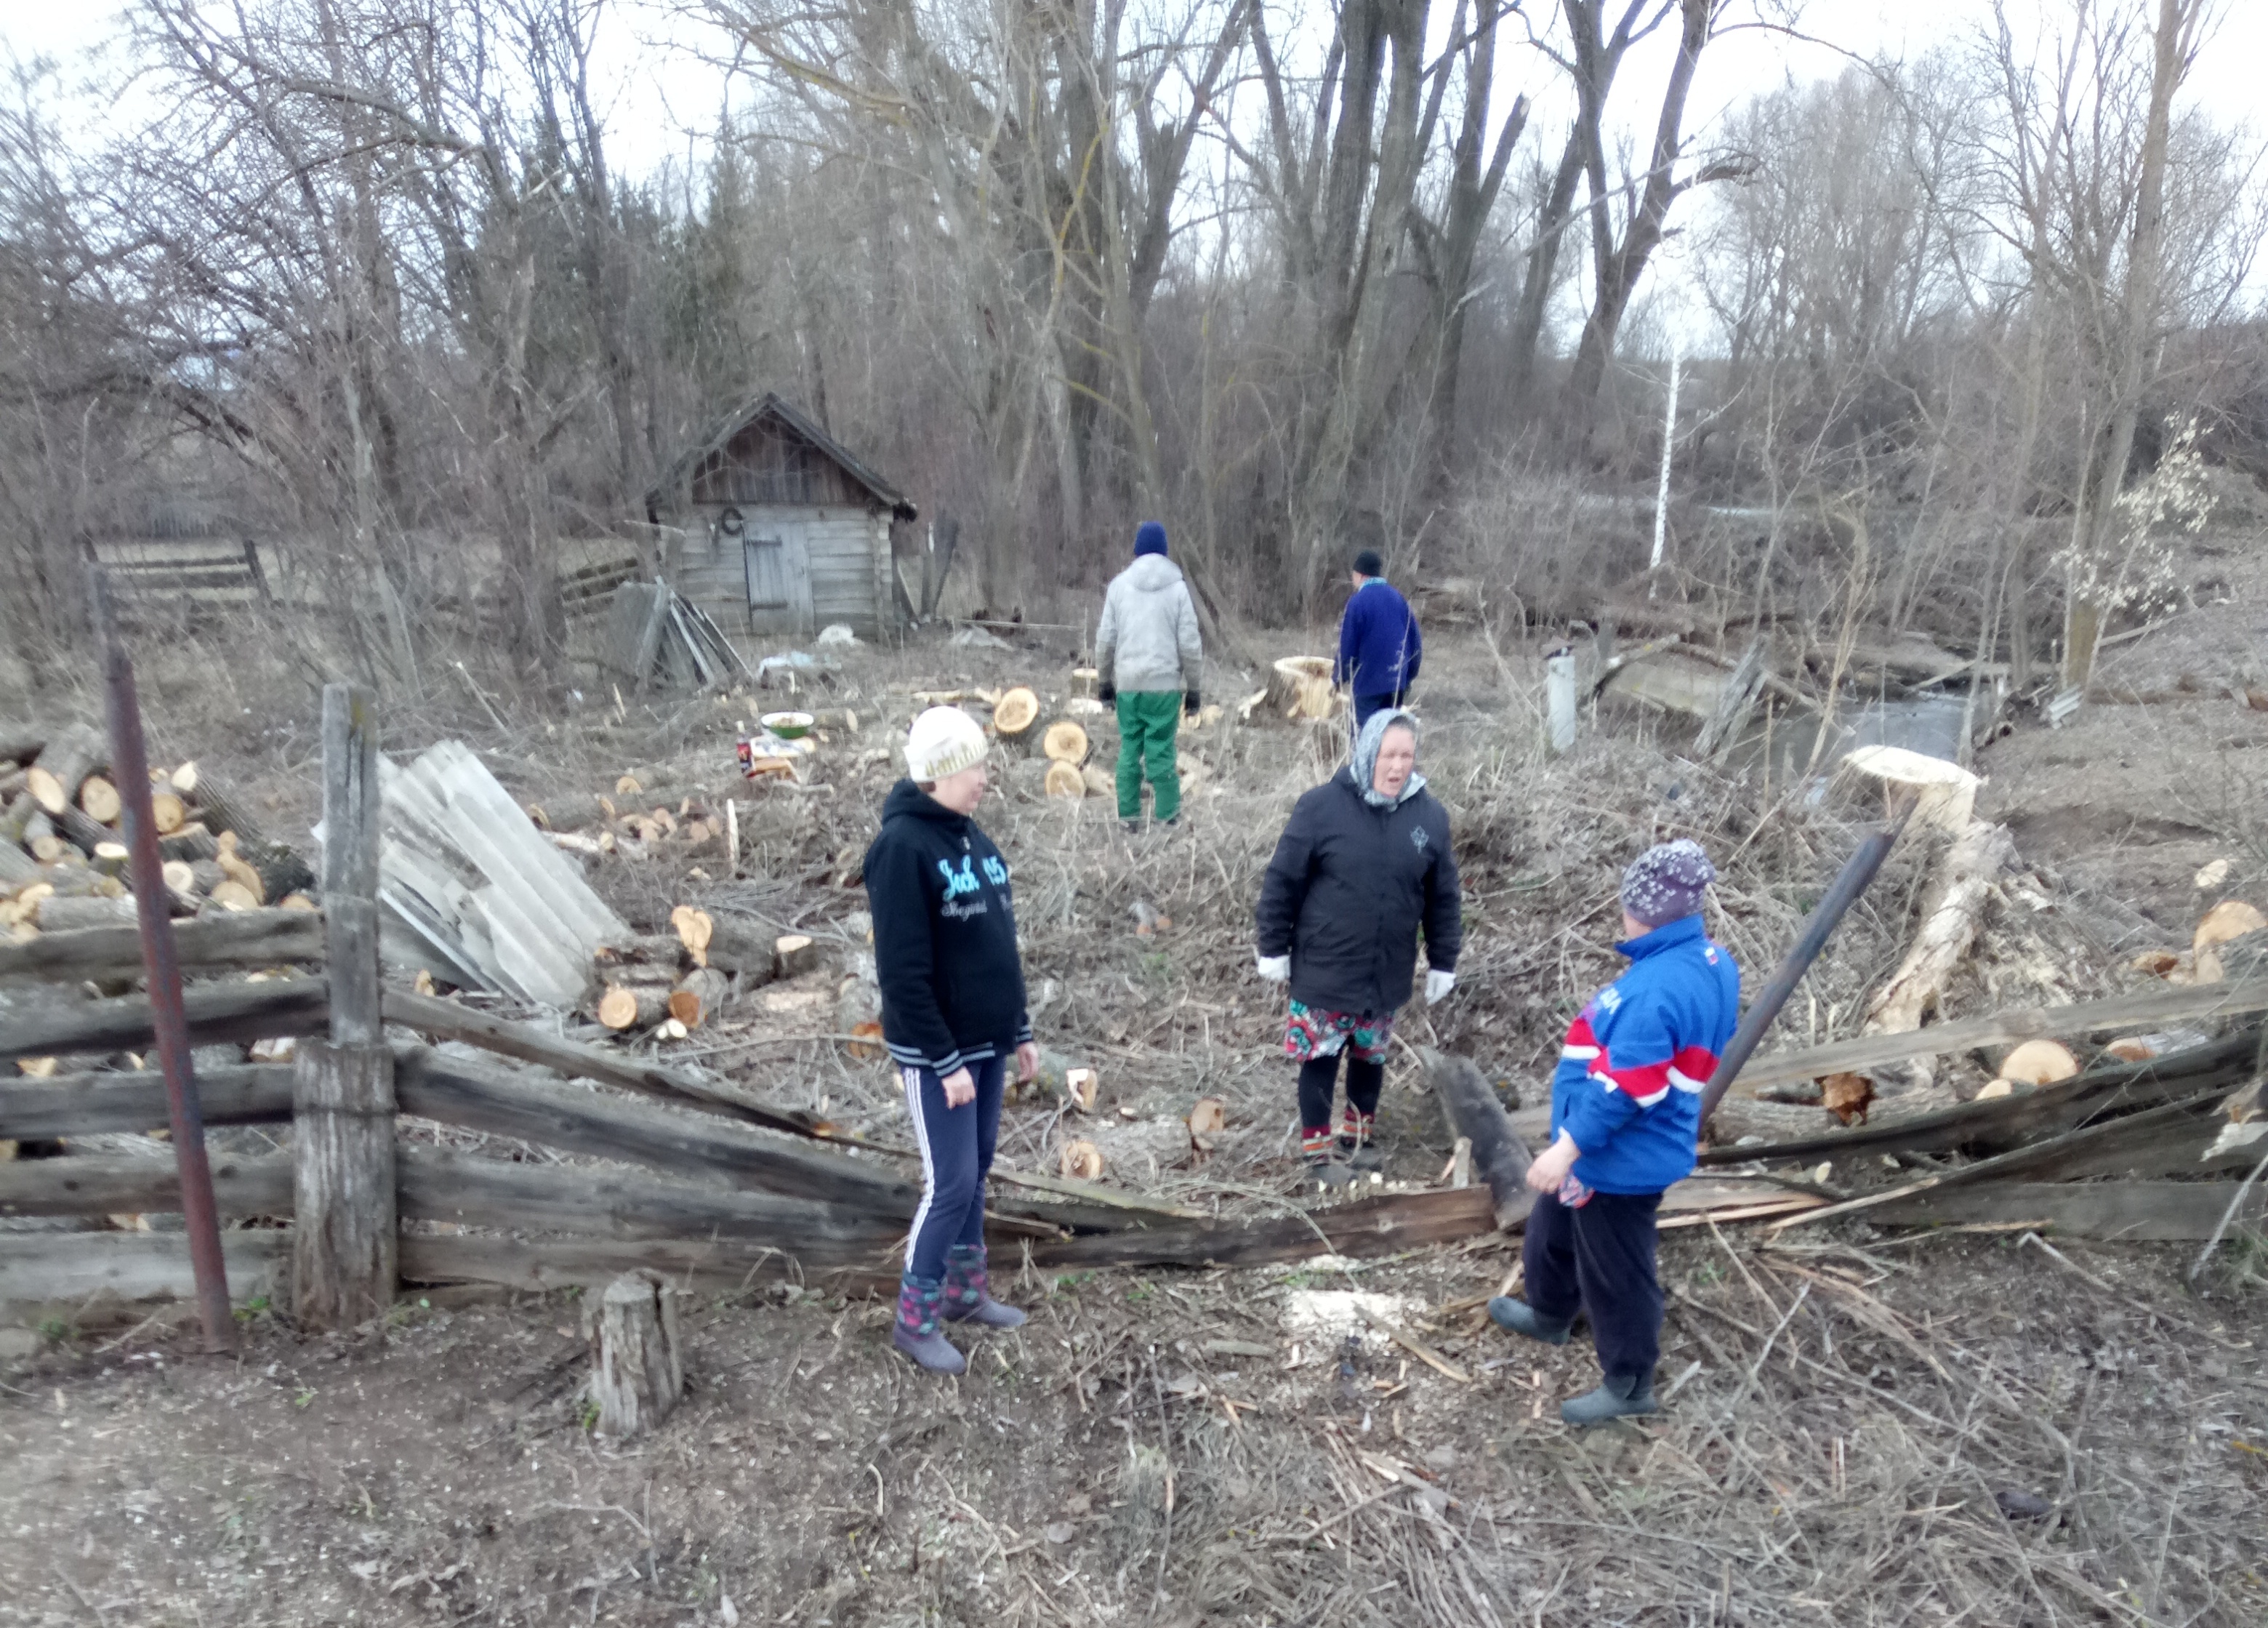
(249, 1094)
(547, 1263)
(1368, 1227)
(217, 1013)
(237, 939)
(1964, 884)
(73, 753)
(1500, 1158)
(2127, 1211)
(2002, 1124)
(2121, 1012)
(125, 1185)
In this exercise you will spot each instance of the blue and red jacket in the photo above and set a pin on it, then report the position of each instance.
(1629, 1079)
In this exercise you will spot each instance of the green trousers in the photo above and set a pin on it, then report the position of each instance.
(1147, 719)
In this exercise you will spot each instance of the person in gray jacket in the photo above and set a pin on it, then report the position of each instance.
(1147, 654)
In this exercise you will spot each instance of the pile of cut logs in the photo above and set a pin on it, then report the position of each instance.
(62, 848)
(671, 983)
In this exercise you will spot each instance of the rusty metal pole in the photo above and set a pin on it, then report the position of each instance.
(130, 764)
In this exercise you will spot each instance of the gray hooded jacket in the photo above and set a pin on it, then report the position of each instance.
(1148, 639)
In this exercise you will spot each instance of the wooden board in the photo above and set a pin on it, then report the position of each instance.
(1386, 1224)
(2130, 1212)
(122, 1184)
(2123, 1012)
(134, 1266)
(249, 1094)
(217, 1012)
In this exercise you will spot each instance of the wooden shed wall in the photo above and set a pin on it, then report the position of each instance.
(832, 561)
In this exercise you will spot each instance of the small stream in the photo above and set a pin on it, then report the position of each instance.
(1929, 723)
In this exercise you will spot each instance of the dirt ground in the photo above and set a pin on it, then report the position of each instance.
(1864, 1427)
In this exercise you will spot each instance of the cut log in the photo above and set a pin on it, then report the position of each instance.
(794, 955)
(244, 876)
(1065, 743)
(1208, 1118)
(1940, 794)
(700, 997)
(1499, 1156)
(192, 841)
(100, 800)
(2038, 1062)
(2230, 919)
(1962, 887)
(1064, 780)
(17, 816)
(60, 915)
(18, 868)
(1366, 1228)
(2165, 1043)
(47, 1266)
(1015, 712)
(1080, 1160)
(1300, 688)
(625, 1006)
(75, 752)
(167, 812)
(221, 813)
(228, 894)
(181, 877)
(638, 1371)
(86, 834)
(112, 858)
(739, 946)
(184, 779)
(20, 740)
(1085, 681)
(1097, 781)
(694, 929)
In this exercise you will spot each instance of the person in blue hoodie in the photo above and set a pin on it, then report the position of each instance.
(953, 1013)
(1625, 1118)
(1379, 645)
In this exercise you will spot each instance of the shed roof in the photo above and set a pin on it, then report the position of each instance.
(786, 414)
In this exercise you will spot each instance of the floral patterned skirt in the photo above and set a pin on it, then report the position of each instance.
(1308, 1032)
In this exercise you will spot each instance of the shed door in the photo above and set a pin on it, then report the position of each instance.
(765, 559)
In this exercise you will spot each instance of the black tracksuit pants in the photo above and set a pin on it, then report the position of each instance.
(1598, 1258)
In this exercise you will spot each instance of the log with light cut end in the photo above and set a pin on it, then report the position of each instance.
(2230, 919)
(737, 945)
(74, 752)
(700, 997)
(100, 800)
(1015, 712)
(638, 1368)
(167, 812)
(16, 818)
(111, 858)
(694, 928)
(1065, 781)
(1065, 743)
(2147, 1048)
(181, 877)
(1208, 1118)
(624, 1006)
(1079, 1161)
(184, 779)
(1939, 793)
(2039, 1062)
(244, 876)
(231, 894)
(794, 955)
(1084, 682)
(86, 832)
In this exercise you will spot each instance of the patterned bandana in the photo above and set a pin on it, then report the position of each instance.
(1666, 882)
(1365, 758)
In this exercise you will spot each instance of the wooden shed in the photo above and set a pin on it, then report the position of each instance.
(783, 530)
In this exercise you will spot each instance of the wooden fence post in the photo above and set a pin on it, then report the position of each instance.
(344, 1244)
(1559, 699)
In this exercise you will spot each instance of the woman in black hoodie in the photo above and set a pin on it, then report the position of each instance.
(953, 1009)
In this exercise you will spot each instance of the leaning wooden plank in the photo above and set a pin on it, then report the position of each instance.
(116, 1184)
(725, 1264)
(439, 1185)
(51, 1266)
(217, 1013)
(249, 1094)
(2190, 1001)
(1500, 1158)
(232, 939)
(2133, 1212)
(1386, 1224)
(2001, 1124)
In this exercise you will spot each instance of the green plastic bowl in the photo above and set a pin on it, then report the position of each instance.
(787, 725)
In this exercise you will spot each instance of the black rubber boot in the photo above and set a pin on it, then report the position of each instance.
(1519, 1317)
(1619, 1396)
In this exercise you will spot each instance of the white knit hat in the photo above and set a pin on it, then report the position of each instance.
(944, 740)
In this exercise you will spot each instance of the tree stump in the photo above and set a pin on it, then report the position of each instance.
(794, 954)
(638, 1370)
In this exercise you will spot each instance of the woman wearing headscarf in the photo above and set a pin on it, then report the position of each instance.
(953, 1015)
(1363, 864)
(1625, 1115)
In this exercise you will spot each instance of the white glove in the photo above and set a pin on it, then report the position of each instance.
(1437, 984)
(1276, 968)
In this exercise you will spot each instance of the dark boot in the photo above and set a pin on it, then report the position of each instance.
(916, 1333)
(1358, 1141)
(1619, 1396)
(1317, 1149)
(1521, 1318)
(966, 1297)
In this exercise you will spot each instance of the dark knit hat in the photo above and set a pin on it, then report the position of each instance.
(1149, 538)
(1368, 564)
(1666, 882)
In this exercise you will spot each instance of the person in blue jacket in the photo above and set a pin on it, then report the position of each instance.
(1379, 645)
(1625, 1117)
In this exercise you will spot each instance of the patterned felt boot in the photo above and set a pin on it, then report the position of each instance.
(1321, 1156)
(967, 1291)
(1358, 1141)
(916, 1333)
